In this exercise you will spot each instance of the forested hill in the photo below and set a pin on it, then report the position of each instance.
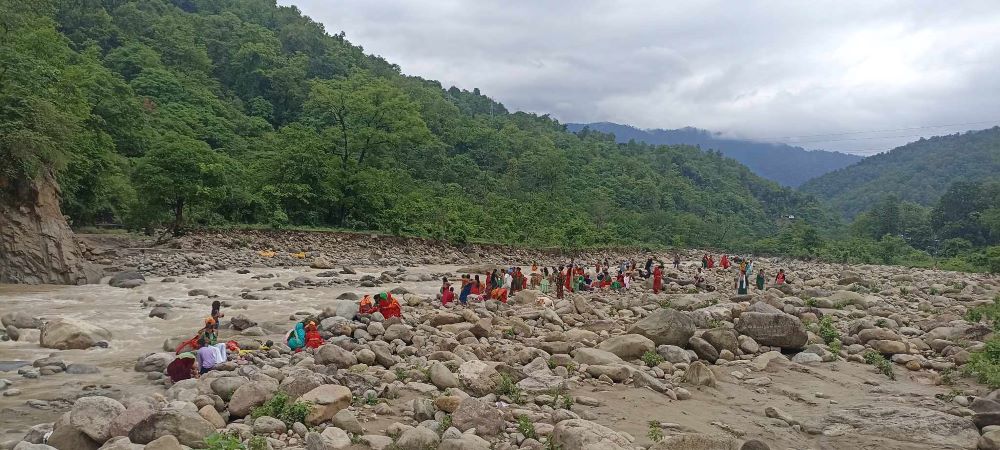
(919, 172)
(788, 165)
(205, 112)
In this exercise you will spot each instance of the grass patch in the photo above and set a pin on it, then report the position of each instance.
(257, 442)
(282, 409)
(508, 387)
(883, 365)
(445, 424)
(526, 427)
(223, 441)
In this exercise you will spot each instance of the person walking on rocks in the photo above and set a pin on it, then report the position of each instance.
(677, 261)
(760, 280)
(649, 266)
(742, 283)
(779, 279)
(657, 278)
(560, 281)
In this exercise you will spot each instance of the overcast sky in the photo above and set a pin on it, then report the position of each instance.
(764, 69)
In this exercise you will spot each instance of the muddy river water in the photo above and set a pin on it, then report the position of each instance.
(134, 333)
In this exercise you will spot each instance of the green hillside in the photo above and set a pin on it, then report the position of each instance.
(919, 172)
(211, 112)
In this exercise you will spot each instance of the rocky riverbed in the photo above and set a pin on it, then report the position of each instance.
(690, 368)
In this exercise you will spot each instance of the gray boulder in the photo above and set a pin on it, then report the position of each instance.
(665, 327)
(774, 330)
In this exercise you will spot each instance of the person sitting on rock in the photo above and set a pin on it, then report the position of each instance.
(367, 306)
(449, 295)
(499, 294)
(183, 367)
(780, 278)
(388, 306)
(313, 338)
(724, 263)
(296, 339)
(210, 356)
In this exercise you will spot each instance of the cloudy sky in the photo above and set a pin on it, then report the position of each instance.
(770, 70)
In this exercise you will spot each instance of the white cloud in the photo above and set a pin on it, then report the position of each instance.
(750, 69)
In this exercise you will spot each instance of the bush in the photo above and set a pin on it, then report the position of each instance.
(280, 408)
(220, 441)
(508, 387)
(655, 432)
(526, 427)
(651, 358)
(827, 331)
(990, 312)
(985, 364)
(883, 365)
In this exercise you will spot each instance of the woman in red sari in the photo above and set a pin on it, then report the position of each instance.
(657, 278)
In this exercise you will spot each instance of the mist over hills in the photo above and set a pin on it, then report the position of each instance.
(782, 163)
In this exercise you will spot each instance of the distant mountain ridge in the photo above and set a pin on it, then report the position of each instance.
(919, 172)
(782, 163)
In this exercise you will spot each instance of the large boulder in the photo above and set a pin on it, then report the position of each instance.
(665, 327)
(127, 279)
(628, 346)
(909, 427)
(66, 437)
(442, 377)
(251, 395)
(987, 412)
(722, 339)
(699, 374)
(322, 262)
(418, 438)
(774, 330)
(474, 413)
(242, 322)
(703, 349)
(696, 441)
(67, 333)
(326, 401)
(20, 319)
(595, 356)
(154, 362)
(579, 434)
(332, 354)
(185, 424)
(93, 416)
(478, 377)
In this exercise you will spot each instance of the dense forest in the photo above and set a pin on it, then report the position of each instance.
(918, 172)
(159, 114)
(785, 164)
(206, 112)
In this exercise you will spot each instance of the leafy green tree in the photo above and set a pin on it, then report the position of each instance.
(175, 174)
(364, 117)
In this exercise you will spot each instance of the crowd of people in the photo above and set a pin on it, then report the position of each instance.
(203, 352)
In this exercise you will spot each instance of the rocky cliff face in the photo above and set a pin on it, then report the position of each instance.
(36, 244)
